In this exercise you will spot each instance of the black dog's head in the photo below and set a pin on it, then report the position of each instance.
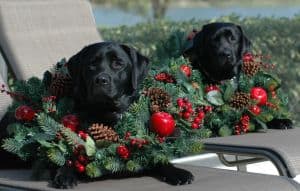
(217, 50)
(106, 76)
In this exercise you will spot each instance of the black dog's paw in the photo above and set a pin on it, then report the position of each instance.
(65, 178)
(174, 175)
(280, 124)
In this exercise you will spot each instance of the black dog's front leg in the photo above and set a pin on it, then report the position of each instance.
(173, 175)
(280, 124)
(65, 177)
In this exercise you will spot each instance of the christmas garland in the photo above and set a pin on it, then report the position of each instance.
(174, 112)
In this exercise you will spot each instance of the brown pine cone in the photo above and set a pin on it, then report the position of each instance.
(160, 100)
(240, 100)
(103, 133)
(250, 68)
(61, 85)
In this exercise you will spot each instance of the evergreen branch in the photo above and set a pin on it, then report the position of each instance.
(56, 156)
(71, 137)
(48, 124)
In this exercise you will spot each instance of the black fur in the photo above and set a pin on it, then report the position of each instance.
(217, 51)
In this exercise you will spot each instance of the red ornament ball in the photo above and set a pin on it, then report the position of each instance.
(70, 121)
(123, 152)
(186, 70)
(260, 95)
(24, 113)
(211, 88)
(162, 123)
(255, 110)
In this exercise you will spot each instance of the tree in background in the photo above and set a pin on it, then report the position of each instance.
(156, 8)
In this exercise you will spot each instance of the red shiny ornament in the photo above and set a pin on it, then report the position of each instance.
(123, 151)
(162, 123)
(260, 95)
(186, 70)
(255, 110)
(82, 135)
(25, 113)
(70, 121)
(208, 109)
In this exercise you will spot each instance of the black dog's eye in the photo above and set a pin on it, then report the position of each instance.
(232, 38)
(117, 64)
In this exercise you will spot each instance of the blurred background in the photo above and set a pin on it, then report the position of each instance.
(273, 26)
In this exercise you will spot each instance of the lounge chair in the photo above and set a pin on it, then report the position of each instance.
(34, 34)
(206, 179)
(278, 146)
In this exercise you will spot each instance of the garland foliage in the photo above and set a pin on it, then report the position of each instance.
(175, 111)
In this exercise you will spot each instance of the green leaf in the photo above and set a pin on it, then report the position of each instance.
(92, 170)
(225, 131)
(71, 137)
(229, 91)
(215, 97)
(90, 146)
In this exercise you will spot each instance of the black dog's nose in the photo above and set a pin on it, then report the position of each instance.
(102, 79)
(227, 54)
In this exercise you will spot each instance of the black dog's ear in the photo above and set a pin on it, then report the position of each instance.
(74, 68)
(245, 42)
(140, 66)
(195, 49)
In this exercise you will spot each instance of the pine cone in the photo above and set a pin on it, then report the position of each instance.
(250, 68)
(61, 85)
(160, 100)
(240, 100)
(103, 133)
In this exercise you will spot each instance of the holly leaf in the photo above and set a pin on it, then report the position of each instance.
(215, 97)
(90, 146)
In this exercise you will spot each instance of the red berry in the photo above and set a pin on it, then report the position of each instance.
(82, 135)
(260, 95)
(189, 110)
(180, 102)
(189, 105)
(25, 113)
(123, 151)
(195, 125)
(197, 120)
(201, 115)
(211, 88)
(133, 142)
(185, 99)
(162, 123)
(186, 70)
(186, 115)
(69, 163)
(80, 168)
(127, 135)
(82, 159)
(71, 122)
(208, 108)
(255, 110)
(248, 57)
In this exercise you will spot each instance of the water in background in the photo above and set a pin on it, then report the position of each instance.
(110, 16)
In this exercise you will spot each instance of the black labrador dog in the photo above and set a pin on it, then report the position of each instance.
(106, 79)
(217, 51)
